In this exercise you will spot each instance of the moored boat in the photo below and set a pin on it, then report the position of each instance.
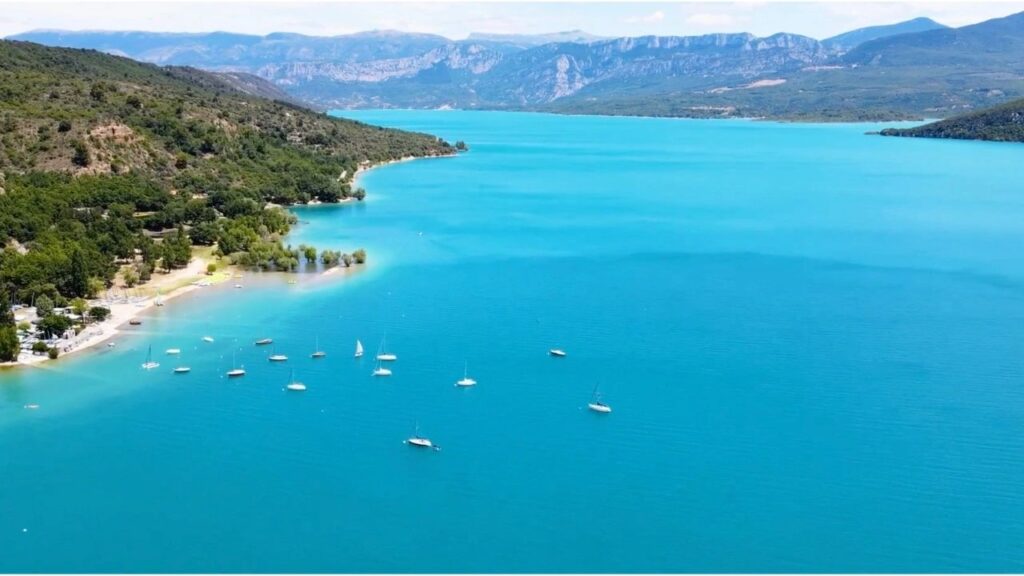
(149, 364)
(557, 352)
(597, 405)
(384, 356)
(294, 385)
(466, 380)
(419, 441)
(235, 371)
(317, 352)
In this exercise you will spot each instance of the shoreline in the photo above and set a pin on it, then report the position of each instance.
(366, 167)
(179, 282)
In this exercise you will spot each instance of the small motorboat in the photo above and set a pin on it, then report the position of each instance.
(264, 341)
(134, 322)
(32, 406)
(238, 285)
(557, 352)
(207, 338)
(182, 370)
(111, 344)
(277, 358)
(173, 351)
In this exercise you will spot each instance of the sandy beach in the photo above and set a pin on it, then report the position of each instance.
(123, 309)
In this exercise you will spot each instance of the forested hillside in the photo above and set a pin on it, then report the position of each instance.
(106, 162)
(1003, 123)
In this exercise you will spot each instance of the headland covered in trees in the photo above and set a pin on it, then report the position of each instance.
(114, 172)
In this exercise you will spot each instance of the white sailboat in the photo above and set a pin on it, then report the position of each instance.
(380, 370)
(359, 349)
(294, 385)
(182, 370)
(317, 352)
(466, 380)
(384, 356)
(597, 405)
(420, 441)
(149, 364)
(235, 371)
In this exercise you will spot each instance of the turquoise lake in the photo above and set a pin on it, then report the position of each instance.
(812, 340)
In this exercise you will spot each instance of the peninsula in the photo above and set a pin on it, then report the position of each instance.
(115, 172)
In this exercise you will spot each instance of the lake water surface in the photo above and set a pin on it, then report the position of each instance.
(812, 340)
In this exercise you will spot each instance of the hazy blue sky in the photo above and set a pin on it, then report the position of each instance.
(456, 20)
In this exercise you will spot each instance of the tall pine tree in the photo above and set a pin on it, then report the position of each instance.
(8, 331)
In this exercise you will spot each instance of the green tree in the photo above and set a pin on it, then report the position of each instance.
(79, 281)
(52, 353)
(99, 313)
(79, 306)
(130, 277)
(330, 257)
(54, 325)
(96, 285)
(9, 344)
(309, 252)
(346, 259)
(359, 256)
(44, 306)
(81, 156)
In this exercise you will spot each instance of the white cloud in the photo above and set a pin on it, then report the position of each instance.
(710, 20)
(656, 16)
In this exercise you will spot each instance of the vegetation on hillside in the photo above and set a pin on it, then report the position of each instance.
(1004, 123)
(108, 164)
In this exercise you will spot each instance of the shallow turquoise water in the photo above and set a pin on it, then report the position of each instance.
(813, 341)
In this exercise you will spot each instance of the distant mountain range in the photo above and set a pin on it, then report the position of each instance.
(910, 69)
(850, 40)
